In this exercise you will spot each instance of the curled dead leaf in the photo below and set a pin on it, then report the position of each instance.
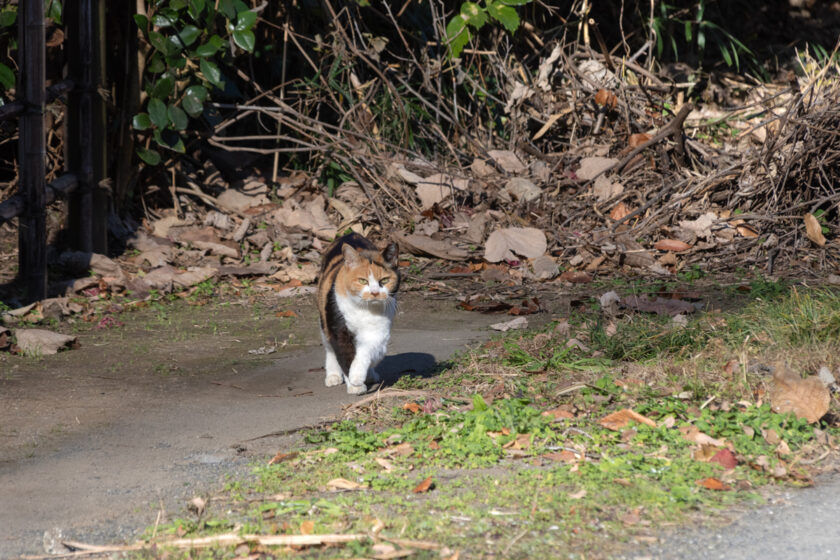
(747, 231)
(412, 407)
(814, 230)
(674, 245)
(424, 486)
(344, 484)
(636, 140)
(725, 458)
(619, 419)
(281, 457)
(713, 484)
(505, 244)
(307, 527)
(619, 211)
(606, 99)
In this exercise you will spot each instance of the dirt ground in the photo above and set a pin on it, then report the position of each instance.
(100, 442)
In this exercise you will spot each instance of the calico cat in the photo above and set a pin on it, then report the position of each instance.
(356, 302)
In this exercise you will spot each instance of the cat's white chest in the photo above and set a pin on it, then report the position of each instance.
(369, 324)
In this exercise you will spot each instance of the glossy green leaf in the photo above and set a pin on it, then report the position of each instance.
(516, 2)
(141, 121)
(162, 43)
(195, 8)
(152, 157)
(54, 11)
(473, 14)
(227, 8)
(156, 65)
(207, 49)
(178, 117)
(193, 101)
(170, 139)
(457, 35)
(7, 77)
(162, 21)
(244, 39)
(245, 20)
(142, 22)
(163, 87)
(157, 112)
(189, 34)
(505, 15)
(211, 72)
(177, 5)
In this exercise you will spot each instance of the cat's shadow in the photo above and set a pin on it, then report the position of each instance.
(413, 364)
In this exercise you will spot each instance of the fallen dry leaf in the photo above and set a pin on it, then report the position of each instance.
(636, 140)
(606, 98)
(558, 414)
(507, 160)
(713, 484)
(674, 245)
(344, 484)
(412, 407)
(281, 457)
(619, 211)
(517, 323)
(578, 495)
(287, 313)
(401, 450)
(694, 435)
(505, 244)
(307, 527)
(814, 230)
(385, 464)
(593, 166)
(424, 486)
(564, 456)
(747, 231)
(423, 245)
(725, 458)
(620, 418)
(576, 277)
(807, 398)
(42, 342)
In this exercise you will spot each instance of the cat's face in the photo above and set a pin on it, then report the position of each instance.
(369, 279)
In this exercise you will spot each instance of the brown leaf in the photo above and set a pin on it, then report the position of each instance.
(424, 486)
(576, 277)
(671, 245)
(713, 484)
(412, 407)
(281, 457)
(619, 211)
(592, 166)
(287, 313)
(725, 458)
(814, 230)
(730, 367)
(606, 99)
(401, 450)
(564, 456)
(505, 244)
(344, 484)
(307, 527)
(558, 414)
(807, 398)
(423, 245)
(619, 419)
(747, 231)
(636, 140)
(42, 342)
(694, 435)
(507, 160)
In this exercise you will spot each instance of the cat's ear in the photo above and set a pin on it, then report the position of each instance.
(391, 254)
(351, 256)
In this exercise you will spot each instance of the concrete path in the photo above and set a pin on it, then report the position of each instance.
(155, 451)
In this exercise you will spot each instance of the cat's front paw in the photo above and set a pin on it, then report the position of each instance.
(356, 389)
(333, 379)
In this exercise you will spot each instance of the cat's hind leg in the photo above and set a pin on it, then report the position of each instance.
(335, 376)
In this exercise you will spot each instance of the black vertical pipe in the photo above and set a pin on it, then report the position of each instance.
(32, 231)
(90, 205)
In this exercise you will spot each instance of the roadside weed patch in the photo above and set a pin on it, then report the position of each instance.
(585, 436)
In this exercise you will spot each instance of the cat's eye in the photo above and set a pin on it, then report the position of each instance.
(363, 281)
(384, 281)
